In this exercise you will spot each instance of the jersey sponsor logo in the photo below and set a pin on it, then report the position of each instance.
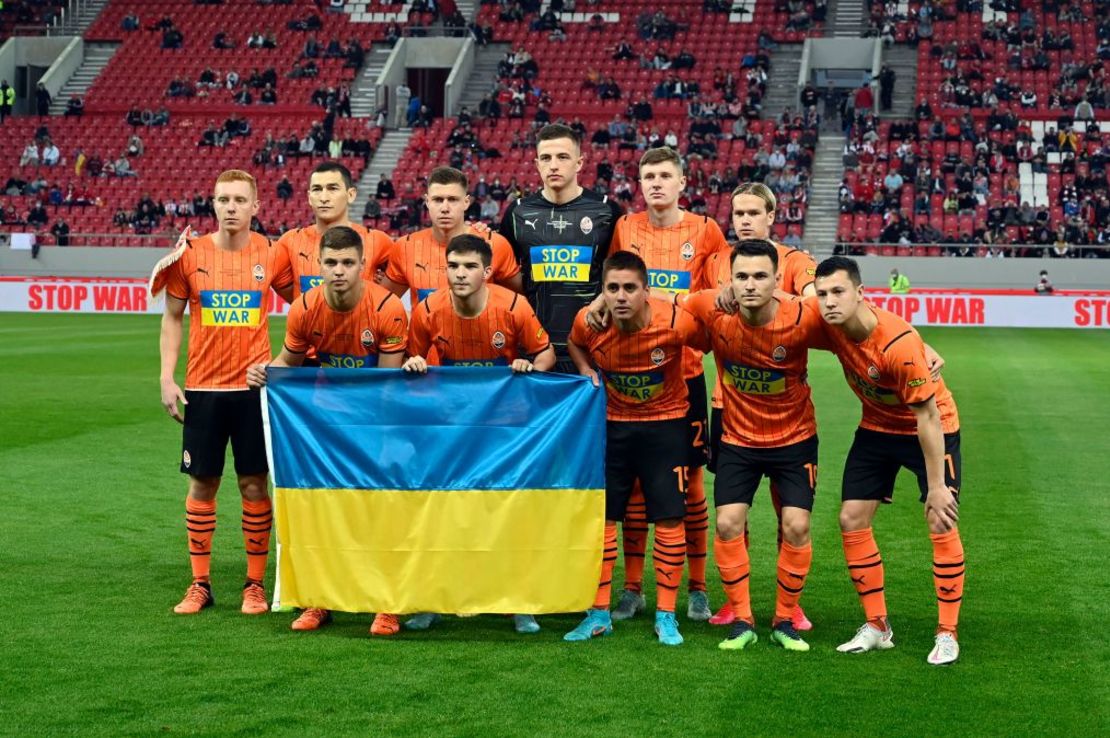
(308, 281)
(367, 338)
(421, 294)
(658, 356)
(753, 381)
(779, 354)
(916, 382)
(812, 271)
(585, 225)
(259, 273)
(670, 281)
(870, 391)
(500, 361)
(561, 263)
(498, 340)
(687, 251)
(638, 386)
(230, 308)
(347, 361)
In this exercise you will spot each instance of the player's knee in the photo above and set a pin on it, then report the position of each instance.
(203, 488)
(795, 530)
(729, 526)
(253, 486)
(853, 518)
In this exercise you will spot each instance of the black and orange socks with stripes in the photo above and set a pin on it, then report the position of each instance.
(669, 555)
(735, 567)
(634, 531)
(200, 525)
(948, 577)
(697, 528)
(793, 568)
(608, 560)
(258, 519)
(865, 567)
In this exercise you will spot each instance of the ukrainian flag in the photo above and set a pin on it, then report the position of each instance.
(460, 491)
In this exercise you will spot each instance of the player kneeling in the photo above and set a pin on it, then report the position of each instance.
(475, 323)
(349, 323)
(640, 354)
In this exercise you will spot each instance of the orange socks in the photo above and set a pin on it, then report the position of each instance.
(608, 558)
(793, 567)
(697, 528)
(669, 555)
(635, 532)
(865, 566)
(735, 567)
(200, 523)
(948, 576)
(257, 520)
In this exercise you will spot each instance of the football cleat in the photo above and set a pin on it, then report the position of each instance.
(197, 597)
(946, 651)
(422, 621)
(596, 623)
(724, 616)
(698, 607)
(739, 637)
(786, 636)
(666, 627)
(254, 599)
(385, 625)
(311, 619)
(799, 620)
(868, 638)
(525, 624)
(629, 605)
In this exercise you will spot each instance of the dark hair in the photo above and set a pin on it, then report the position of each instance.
(625, 260)
(660, 155)
(552, 131)
(468, 243)
(834, 264)
(448, 176)
(334, 166)
(756, 247)
(341, 237)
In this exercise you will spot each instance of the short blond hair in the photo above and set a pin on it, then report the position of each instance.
(760, 190)
(238, 175)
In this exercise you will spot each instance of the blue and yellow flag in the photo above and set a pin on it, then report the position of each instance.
(459, 491)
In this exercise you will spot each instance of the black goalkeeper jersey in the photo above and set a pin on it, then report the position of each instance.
(561, 249)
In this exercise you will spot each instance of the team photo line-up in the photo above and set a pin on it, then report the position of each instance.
(568, 283)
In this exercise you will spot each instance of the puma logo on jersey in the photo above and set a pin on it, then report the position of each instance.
(421, 266)
(201, 270)
(531, 223)
(303, 255)
(442, 338)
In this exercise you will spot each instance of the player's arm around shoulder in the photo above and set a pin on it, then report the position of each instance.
(294, 347)
(393, 276)
(393, 329)
(691, 330)
(578, 343)
(532, 338)
(420, 338)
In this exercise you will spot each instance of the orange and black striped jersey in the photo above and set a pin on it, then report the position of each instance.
(350, 339)
(642, 371)
(418, 261)
(763, 370)
(298, 256)
(797, 269)
(228, 296)
(887, 371)
(675, 256)
(507, 329)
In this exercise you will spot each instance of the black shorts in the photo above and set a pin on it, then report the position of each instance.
(875, 458)
(697, 418)
(653, 452)
(792, 469)
(716, 431)
(214, 418)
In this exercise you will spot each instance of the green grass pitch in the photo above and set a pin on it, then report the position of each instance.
(92, 558)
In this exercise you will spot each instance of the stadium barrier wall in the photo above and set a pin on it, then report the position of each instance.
(982, 308)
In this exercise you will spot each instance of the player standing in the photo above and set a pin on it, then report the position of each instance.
(348, 323)
(674, 245)
(474, 323)
(560, 236)
(224, 279)
(769, 430)
(753, 214)
(331, 191)
(640, 356)
(417, 263)
(909, 420)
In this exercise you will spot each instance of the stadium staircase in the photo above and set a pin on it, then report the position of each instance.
(903, 60)
(385, 158)
(823, 210)
(364, 99)
(483, 78)
(77, 23)
(847, 19)
(97, 56)
(782, 81)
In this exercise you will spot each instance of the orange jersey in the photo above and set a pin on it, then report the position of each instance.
(228, 296)
(643, 370)
(796, 269)
(298, 253)
(506, 329)
(887, 370)
(675, 257)
(352, 339)
(763, 370)
(418, 262)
